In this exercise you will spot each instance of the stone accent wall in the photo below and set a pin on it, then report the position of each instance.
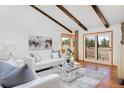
(76, 45)
(122, 27)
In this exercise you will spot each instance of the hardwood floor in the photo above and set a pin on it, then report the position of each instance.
(110, 80)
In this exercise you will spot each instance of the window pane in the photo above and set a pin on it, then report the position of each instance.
(90, 47)
(103, 47)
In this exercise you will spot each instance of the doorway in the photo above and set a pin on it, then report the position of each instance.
(69, 41)
(98, 47)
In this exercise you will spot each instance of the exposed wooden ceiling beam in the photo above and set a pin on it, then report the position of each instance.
(100, 15)
(42, 12)
(71, 16)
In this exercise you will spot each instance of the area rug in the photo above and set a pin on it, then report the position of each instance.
(89, 79)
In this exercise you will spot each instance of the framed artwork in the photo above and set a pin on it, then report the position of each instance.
(40, 43)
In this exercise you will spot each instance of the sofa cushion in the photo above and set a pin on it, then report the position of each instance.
(18, 76)
(59, 60)
(41, 56)
(37, 56)
(11, 61)
(5, 68)
(46, 56)
(48, 63)
(56, 54)
(42, 65)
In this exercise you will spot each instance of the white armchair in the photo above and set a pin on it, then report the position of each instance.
(30, 61)
(49, 81)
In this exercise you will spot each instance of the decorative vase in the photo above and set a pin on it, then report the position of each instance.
(69, 64)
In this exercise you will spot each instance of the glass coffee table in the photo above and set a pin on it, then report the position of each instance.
(68, 73)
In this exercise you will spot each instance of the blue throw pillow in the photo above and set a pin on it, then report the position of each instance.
(18, 76)
(5, 68)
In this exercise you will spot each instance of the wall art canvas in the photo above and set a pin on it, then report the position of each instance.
(40, 43)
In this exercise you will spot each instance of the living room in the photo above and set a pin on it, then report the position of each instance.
(33, 36)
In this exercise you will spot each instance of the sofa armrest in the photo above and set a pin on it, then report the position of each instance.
(50, 81)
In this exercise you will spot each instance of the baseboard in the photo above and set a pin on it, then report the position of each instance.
(121, 81)
(80, 60)
(95, 63)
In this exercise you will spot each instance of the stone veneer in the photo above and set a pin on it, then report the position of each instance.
(122, 27)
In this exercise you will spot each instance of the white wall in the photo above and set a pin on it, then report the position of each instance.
(19, 22)
(116, 40)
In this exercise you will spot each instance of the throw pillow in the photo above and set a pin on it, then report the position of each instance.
(17, 77)
(46, 56)
(12, 61)
(5, 68)
(37, 57)
(55, 54)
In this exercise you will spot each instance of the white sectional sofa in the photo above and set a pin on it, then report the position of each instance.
(47, 63)
(44, 60)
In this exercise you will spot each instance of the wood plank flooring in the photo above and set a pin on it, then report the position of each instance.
(110, 80)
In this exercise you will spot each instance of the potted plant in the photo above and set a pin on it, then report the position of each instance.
(68, 58)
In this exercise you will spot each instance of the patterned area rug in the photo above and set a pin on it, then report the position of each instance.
(89, 78)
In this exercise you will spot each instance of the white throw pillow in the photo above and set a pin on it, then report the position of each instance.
(11, 61)
(37, 57)
(55, 55)
(46, 56)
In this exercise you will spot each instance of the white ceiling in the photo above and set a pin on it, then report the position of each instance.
(59, 16)
(86, 15)
(113, 13)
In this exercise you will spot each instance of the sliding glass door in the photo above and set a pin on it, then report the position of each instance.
(90, 47)
(104, 48)
(98, 48)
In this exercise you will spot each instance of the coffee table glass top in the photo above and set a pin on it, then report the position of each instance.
(69, 68)
(69, 73)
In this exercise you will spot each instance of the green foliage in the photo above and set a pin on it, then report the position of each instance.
(90, 43)
(66, 42)
(68, 55)
(104, 43)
